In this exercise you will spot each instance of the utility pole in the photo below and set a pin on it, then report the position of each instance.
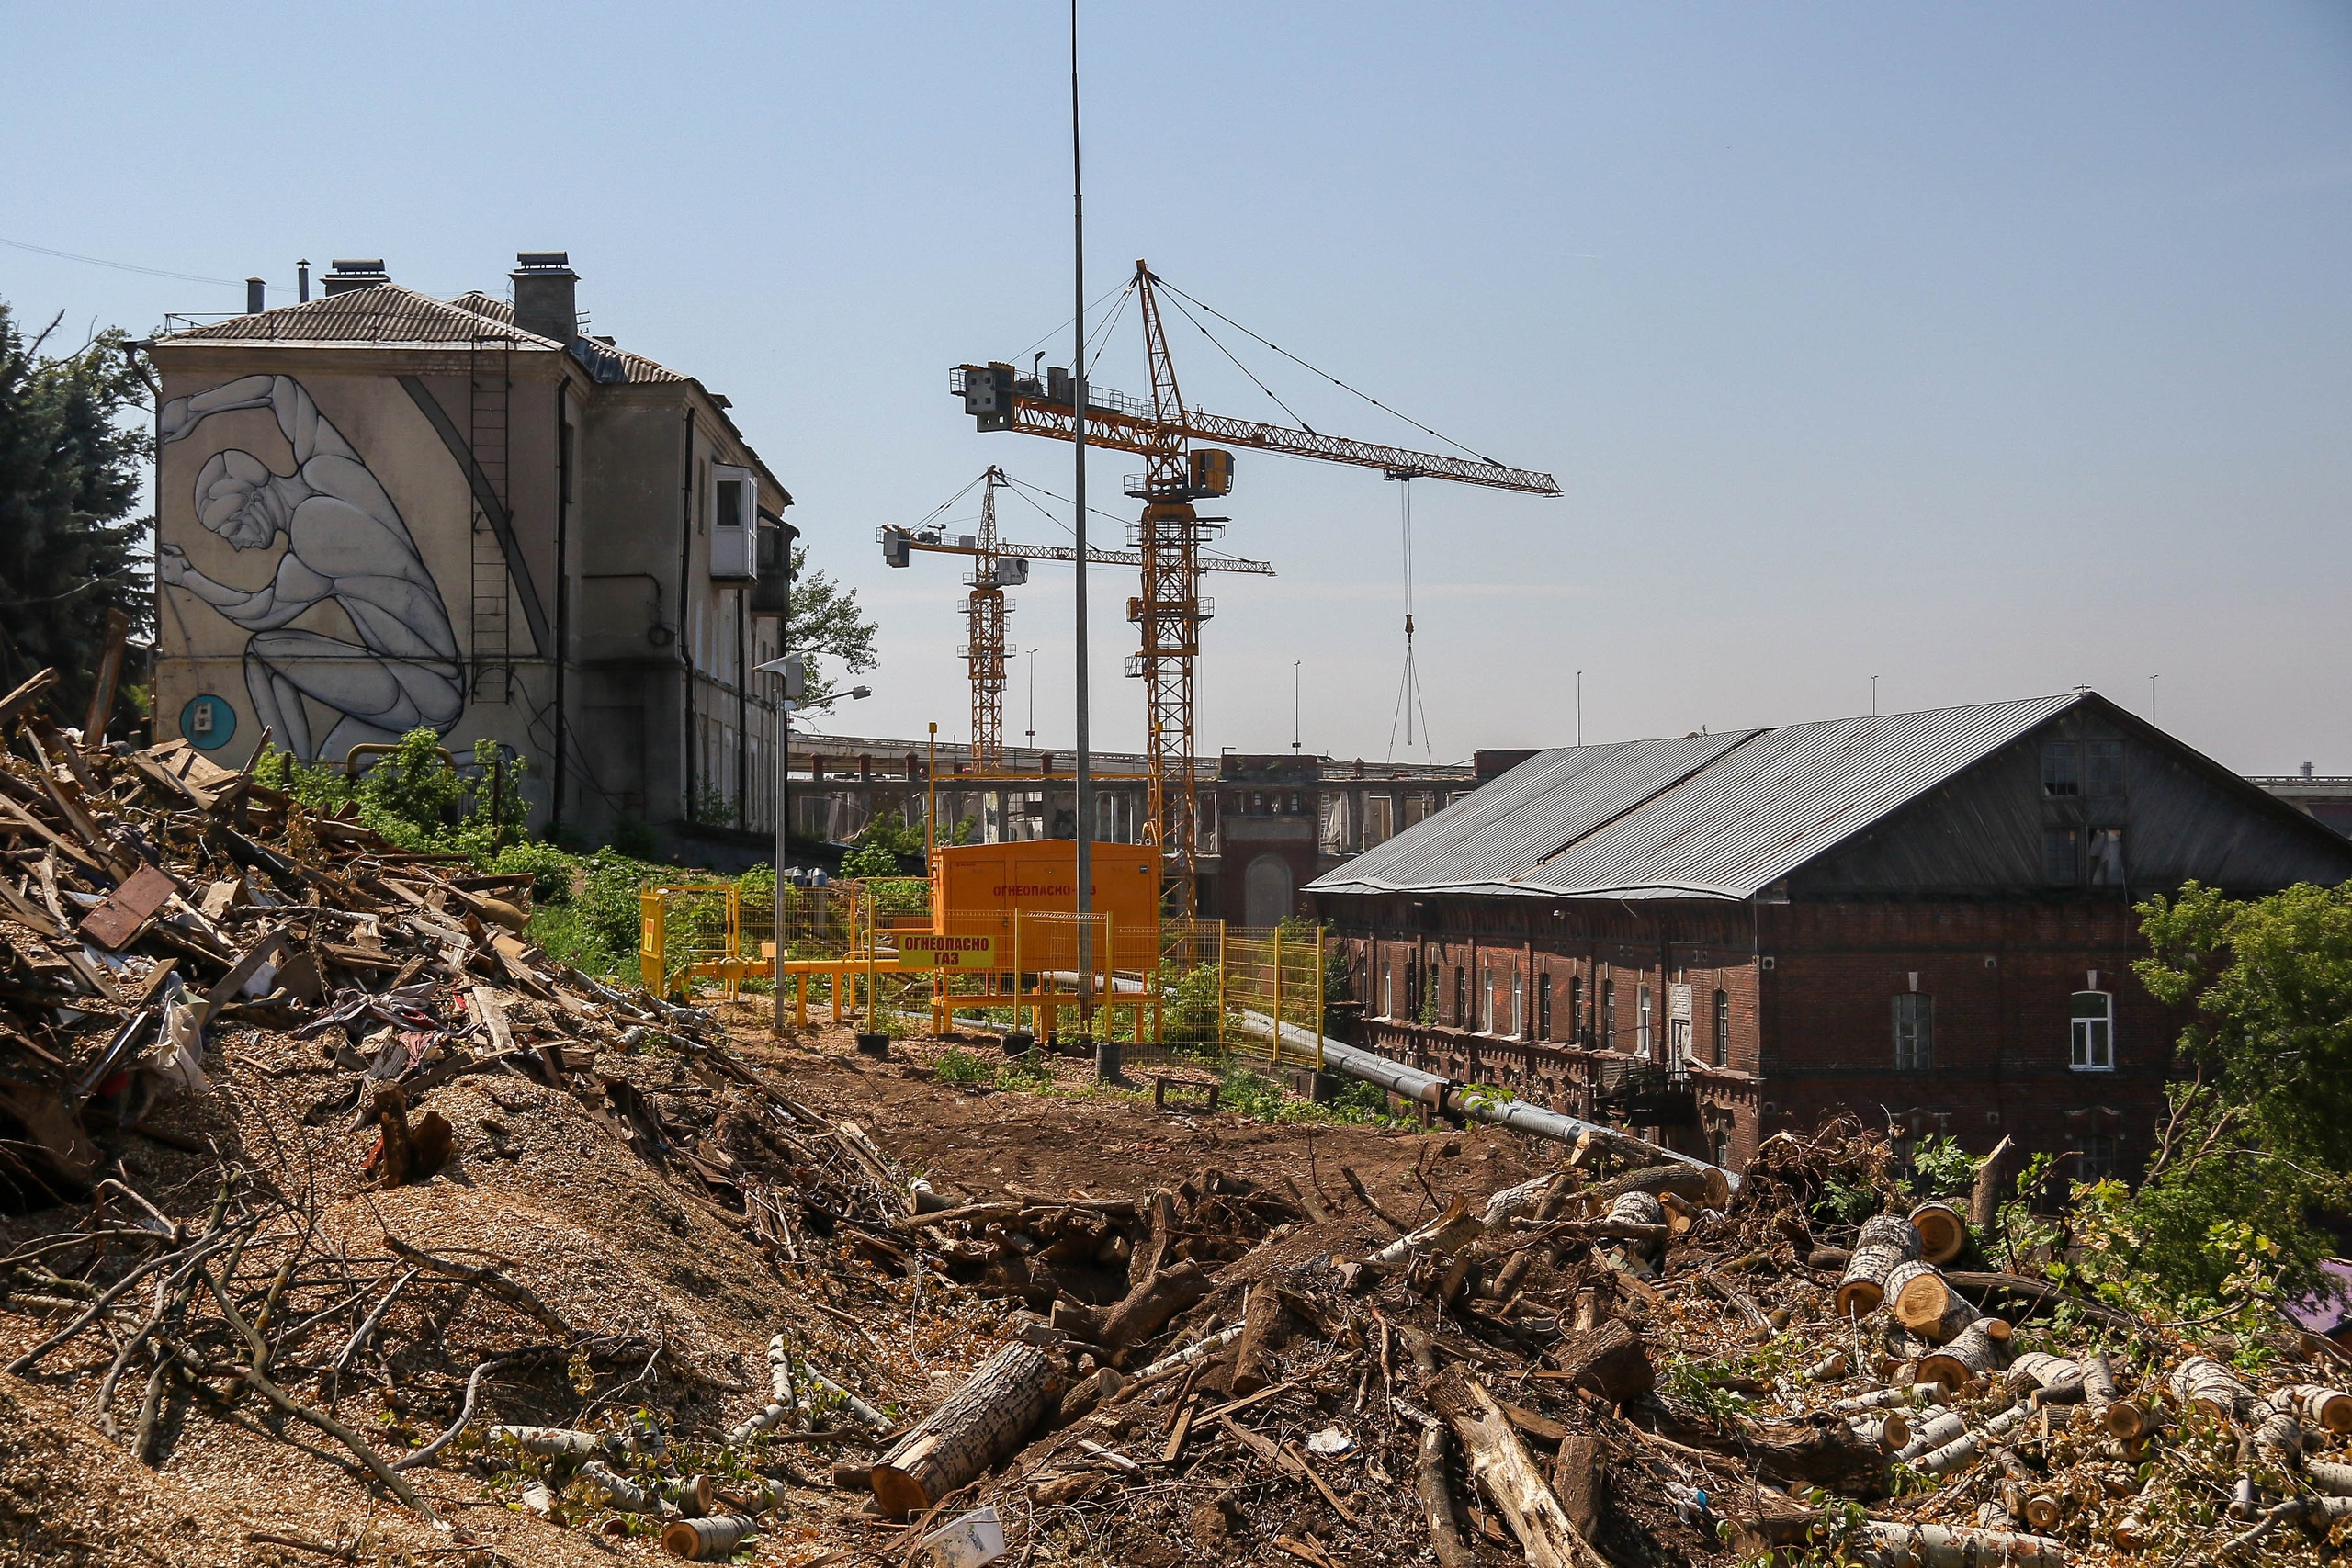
(1294, 708)
(1082, 783)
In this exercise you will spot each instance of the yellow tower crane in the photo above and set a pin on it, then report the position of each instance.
(996, 566)
(1168, 539)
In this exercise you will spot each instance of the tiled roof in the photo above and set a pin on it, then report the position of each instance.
(602, 360)
(384, 314)
(1694, 816)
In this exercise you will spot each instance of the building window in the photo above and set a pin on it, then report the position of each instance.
(1413, 988)
(1518, 1005)
(2094, 1031)
(1487, 997)
(1642, 1023)
(1461, 997)
(1576, 1008)
(2062, 856)
(1609, 1015)
(1722, 1149)
(1543, 1006)
(2106, 857)
(1915, 1032)
(1379, 821)
(1723, 1030)
(2096, 1156)
(2060, 775)
(2105, 769)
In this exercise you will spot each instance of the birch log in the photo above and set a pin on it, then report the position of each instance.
(1976, 1351)
(1955, 1546)
(2329, 1409)
(1923, 1301)
(2202, 1383)
(1886, 1240)
(708, 1541)
(2123, 1417)
(1942, 1232)
(980, 1423)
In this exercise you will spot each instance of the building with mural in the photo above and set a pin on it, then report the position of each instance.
(380, 511)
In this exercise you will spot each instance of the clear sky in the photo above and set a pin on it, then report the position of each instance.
(1988, 350)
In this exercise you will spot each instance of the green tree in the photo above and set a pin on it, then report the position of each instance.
(70, 550)
(2257, 1140)
(826, 624)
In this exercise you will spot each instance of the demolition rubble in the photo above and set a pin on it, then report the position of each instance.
(344, 1225)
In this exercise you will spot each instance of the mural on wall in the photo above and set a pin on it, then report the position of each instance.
(346, 545)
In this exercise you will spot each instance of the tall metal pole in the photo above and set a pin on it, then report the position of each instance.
(1083, 783)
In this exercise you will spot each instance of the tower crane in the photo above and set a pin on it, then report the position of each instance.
(1167, 538)
(998, 565)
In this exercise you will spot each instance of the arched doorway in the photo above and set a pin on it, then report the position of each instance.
(1266, 891)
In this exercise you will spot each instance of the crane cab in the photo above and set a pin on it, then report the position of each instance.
(1211, 471)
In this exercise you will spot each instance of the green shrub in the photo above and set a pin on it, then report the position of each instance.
(960, 1066)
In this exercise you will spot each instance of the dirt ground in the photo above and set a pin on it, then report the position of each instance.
(615, 1246)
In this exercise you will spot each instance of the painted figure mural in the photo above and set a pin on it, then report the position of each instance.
(345, 544)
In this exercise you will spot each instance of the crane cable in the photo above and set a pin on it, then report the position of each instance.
(1294, 359)
(1408, 686)
(1246, 370)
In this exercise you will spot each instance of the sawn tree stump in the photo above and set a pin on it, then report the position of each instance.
(981, 1422)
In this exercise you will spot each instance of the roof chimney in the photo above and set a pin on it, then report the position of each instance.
(2307, 772)
(347, 275)
(546, 298)
(254, 306)
(302, 281)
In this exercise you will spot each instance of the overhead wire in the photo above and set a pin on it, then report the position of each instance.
(1318, 370)
(123, 266)
(1065, 320)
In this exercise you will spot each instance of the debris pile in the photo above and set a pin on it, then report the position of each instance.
(307, 1152)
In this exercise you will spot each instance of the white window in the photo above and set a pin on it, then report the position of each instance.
(1642, 1024)
(1915, 1032)
(2106, 857)
(2094, 1031)
(1487, 997)
(1518, 1005)
(734, 506)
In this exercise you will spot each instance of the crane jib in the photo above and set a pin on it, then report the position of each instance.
(1125, 424)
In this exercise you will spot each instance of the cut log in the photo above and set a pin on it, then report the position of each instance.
(1828, 1454)
(1578, 1480)
(1611, 1361)
(1158, 1297)
(1703, 1185)
(1829, 1368)
(1265, 1323)
(1502, 1467)
(1886, 1398)
(2123, 1417)
(1974, 1352)
(2329, 1409)
(1889, 1430)
(708, 1541)
(1943, 1427)
(1962, 1450)
(1886, 1241)
(1955, 1546)
(1443, 1236)
(1923, 1302)
(981, 1422)
(1943, 1234)
(2202, 1383)
(550, 1442)
(1437, 1503)
(2325, 1475)
(2037, 1369)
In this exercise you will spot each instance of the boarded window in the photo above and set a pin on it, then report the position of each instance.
(1915, 1032)
(2094, 1031)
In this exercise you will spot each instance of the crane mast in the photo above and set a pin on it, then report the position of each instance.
(1167, 538)
(985, 649)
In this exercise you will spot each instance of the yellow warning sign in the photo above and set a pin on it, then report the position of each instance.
(925, 950)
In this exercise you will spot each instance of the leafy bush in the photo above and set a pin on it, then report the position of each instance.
(1939, 1169)
(957, 1065)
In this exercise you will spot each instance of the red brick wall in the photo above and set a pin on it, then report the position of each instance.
(1811, 990)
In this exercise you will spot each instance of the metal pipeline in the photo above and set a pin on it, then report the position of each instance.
(1446, 1096)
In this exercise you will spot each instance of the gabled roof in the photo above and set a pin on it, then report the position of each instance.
(384, 316)
(1694, 816)
(609, 364)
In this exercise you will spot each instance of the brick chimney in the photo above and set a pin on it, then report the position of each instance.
(545, 295)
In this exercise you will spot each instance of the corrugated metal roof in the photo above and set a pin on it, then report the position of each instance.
(1706, 815)
(385, 315)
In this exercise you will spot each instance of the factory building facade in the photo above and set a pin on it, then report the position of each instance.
(1922, 919)
(379, 510)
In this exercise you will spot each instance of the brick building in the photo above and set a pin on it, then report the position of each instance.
(1923, 916)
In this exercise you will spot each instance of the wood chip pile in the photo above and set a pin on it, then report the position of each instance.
(460, 1227)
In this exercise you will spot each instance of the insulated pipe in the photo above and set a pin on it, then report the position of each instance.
(1442, 1095)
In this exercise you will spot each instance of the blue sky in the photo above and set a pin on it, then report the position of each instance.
(1989, 350)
